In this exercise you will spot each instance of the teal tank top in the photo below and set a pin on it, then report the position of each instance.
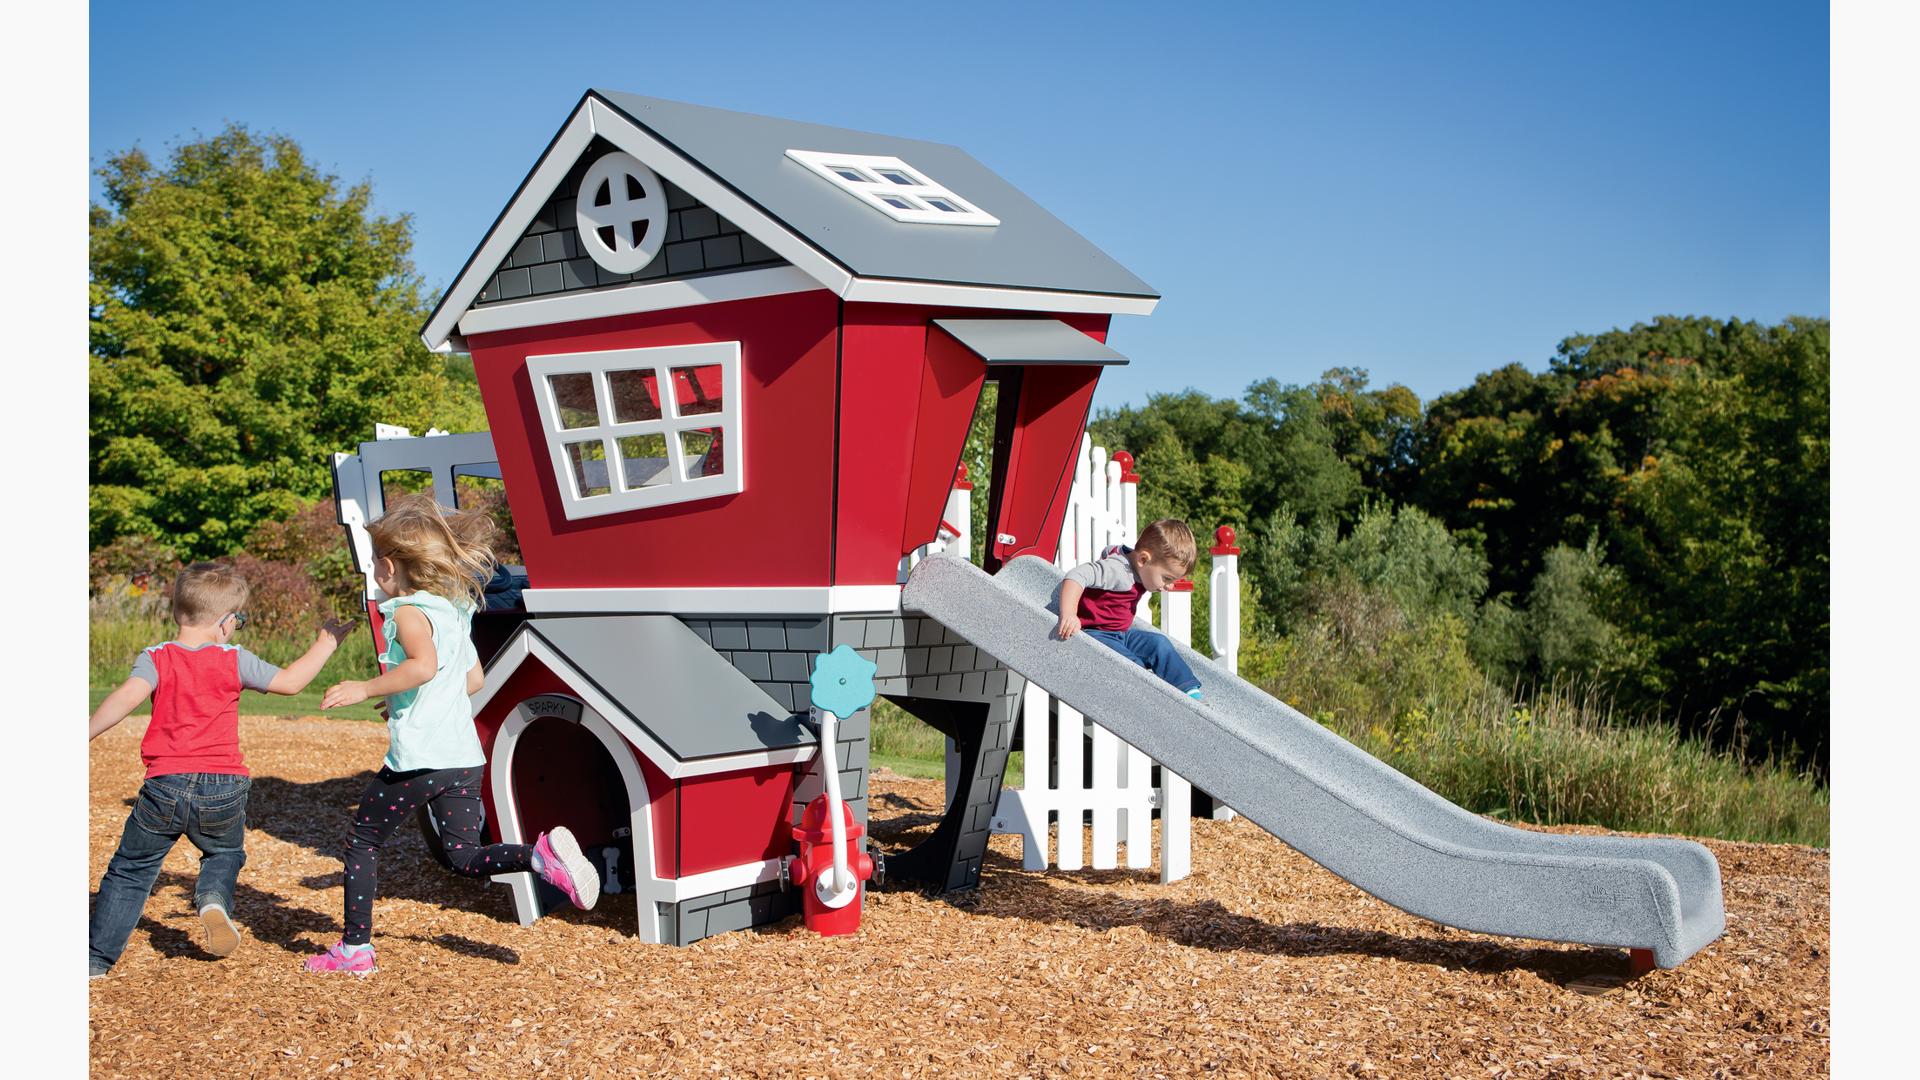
(431, 726)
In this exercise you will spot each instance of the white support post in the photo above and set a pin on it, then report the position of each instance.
(1070, 736)
(960, 514)
(1176, 793)
(1223, 619)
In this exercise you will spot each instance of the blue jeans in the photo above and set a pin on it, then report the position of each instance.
(1150, 650)
(210, 809)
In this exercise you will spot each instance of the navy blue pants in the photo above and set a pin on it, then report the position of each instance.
(209, 809)
(1151, 650)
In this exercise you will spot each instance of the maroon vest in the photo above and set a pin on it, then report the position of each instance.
(1111, 609)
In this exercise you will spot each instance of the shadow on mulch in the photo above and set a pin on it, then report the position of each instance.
(1208, 924)
(465, 946)
(314, 816)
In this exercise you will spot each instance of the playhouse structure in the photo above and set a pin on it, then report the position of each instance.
(729, 364)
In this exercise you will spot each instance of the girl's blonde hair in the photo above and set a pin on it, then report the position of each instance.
(445, 552)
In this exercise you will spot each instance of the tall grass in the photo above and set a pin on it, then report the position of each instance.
(1557, 755)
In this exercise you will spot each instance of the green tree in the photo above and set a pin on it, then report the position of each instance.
(247, 317)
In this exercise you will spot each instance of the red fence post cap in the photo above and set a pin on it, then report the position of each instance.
(960, 482)
(1125, 460)
(1223, 541)
(1183, 585)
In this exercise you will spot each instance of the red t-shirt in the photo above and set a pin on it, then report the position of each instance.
(196, 706)
(1110, 608)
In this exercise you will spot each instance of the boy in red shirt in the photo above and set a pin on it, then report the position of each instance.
(1101, 597)
(196, 781)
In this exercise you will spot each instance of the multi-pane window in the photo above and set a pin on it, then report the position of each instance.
(632, 428)
(894, 188)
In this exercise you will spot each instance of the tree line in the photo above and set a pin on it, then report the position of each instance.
(1649, 513)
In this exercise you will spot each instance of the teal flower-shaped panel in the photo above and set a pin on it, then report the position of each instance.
(842, 681)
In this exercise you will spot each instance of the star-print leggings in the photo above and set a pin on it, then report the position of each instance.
(452, 796)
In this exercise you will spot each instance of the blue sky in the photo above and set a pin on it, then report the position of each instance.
(1424, 191)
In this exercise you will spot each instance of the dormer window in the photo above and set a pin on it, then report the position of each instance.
(894, 188)
(632, 428)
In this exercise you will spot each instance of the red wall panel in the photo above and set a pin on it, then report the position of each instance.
(736, 817)
(775, 532)
(904, 398)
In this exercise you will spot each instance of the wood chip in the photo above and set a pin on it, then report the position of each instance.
(1259, 964)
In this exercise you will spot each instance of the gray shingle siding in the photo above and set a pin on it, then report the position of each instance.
(549, 260)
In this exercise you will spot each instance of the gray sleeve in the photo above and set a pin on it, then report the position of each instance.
(143, 668)
(255, 673)
(1112, 572)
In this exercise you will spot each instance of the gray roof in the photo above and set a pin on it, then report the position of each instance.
(672, 685)
(1028, 341)
(1029, 249)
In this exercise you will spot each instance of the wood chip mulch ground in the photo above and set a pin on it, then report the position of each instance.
(1259, 964)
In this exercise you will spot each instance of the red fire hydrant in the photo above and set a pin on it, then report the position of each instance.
(827, 911)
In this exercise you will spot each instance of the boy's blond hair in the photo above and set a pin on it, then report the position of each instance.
(1170, 539)
(205, 591)
(445, 552)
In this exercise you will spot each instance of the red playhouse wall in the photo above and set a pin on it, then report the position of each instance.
(1054, 401)
(775, 532)
(737, 817)
(907, 393)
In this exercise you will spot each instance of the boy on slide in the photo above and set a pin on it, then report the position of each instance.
(1102, 597)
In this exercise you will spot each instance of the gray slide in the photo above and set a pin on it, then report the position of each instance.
(1333, 802)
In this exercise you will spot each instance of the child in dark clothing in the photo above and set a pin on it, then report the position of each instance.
(1102, 597)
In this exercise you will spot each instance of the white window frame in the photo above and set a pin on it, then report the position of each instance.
(731, 480)
(873, 189)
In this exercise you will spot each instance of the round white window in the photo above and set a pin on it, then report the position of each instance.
(622, 213)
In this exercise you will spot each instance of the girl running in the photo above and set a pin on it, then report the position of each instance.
(430, 562)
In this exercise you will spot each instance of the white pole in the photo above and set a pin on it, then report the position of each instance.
(840, 891)
(1223, 607)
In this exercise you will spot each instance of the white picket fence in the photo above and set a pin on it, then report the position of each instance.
(1099, 790)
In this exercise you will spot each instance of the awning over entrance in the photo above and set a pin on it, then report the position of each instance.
(1028, 341)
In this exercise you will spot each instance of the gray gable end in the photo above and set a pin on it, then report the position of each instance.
(548, 259)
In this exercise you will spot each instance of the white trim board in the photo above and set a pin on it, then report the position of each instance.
(745, 600)
(937, 294)
(637, 299)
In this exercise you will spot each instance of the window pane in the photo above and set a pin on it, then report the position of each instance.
(896, 202)
(942, 204)
(702, 450)
(847, 172)
(636, 395)
(696, 390)
(573, 400)
(589, 462)
(896, 176)
(643, 461)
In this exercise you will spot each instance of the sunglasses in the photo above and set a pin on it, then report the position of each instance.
(239, 620)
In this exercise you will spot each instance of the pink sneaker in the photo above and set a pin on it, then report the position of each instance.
(565, 868)
(337, 958)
